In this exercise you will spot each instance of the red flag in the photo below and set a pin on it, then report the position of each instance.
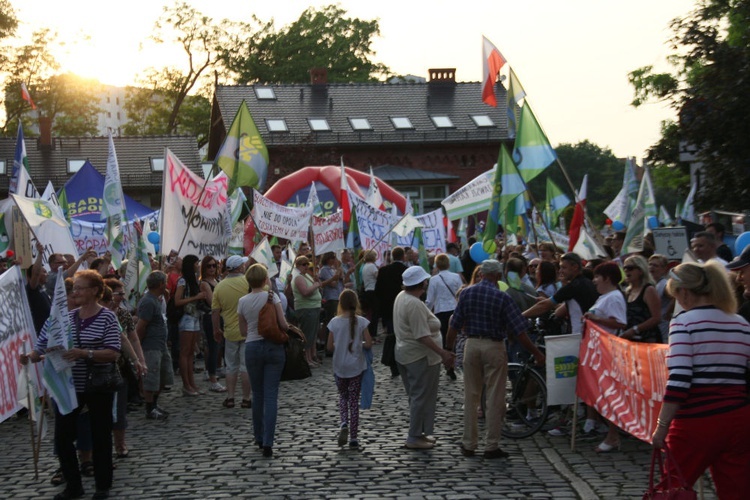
(492, 61)
(26, 96)
(451, 233)
(344, 194)
(578, 215)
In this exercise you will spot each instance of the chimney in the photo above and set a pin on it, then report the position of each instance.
(442, 75)
(45, 133)
(318, 76)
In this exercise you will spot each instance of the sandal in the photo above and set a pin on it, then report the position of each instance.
(57, 478)
(228, 403)
(87, 469)
(246, 403)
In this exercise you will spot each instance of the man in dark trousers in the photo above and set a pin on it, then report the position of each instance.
(387, 287)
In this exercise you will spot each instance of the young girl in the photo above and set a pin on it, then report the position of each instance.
(348, 336)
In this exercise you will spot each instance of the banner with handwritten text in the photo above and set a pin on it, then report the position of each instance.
(374, 225)
(328, 232)
(277, 220)
(433, 232)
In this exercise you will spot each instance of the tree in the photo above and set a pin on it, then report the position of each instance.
(324, 38)
(167, 102)
(70, 101)
(709, 88)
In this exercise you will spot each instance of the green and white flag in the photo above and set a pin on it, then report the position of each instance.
(533, 152)
(645, 207)
(113, 208)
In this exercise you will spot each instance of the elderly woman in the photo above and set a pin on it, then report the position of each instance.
(419, 353)
(96, 337)
(307, 302)
(644, 306)
(265, 359)
(704, 418)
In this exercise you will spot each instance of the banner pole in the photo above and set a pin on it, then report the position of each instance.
(31, 417)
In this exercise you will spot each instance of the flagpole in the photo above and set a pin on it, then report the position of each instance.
(597, 235)
(31, 417)
(385, 234)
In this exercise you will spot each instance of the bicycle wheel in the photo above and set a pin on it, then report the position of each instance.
(526, 402)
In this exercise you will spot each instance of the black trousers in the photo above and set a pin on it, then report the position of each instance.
(100, 413)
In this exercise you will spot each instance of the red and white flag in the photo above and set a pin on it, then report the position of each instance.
(26, 96)
(344, 194)
(578, 214)
(374, 198)
(492, 61)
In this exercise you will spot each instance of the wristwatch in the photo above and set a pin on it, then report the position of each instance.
(91, 354)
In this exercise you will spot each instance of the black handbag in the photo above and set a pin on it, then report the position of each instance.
(100, 377)
(295, 366)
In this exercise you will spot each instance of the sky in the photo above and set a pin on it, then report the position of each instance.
(571, 56)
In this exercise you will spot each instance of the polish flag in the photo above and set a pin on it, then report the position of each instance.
(26, 96)
(344, 194)
(578, 214)
(492, 61)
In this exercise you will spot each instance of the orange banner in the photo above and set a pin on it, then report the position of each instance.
(623, 380)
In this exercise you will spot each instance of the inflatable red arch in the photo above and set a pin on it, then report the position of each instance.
(286, 189)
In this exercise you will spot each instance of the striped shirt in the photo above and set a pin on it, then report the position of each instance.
(101, 331)
(709, 356)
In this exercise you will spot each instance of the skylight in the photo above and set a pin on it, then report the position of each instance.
(483, 120)
(401, 122)
(360, 123)
(442, 121)
(263, 93)
(277, 125)
(319, 124)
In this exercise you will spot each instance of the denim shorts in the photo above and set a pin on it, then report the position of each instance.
(189, 324)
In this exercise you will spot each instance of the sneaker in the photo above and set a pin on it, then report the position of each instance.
(589, 426)
(162, 410)
(558, 431)
(353, 444)
(217, 387)
(155, 414)
(419, 444)
(343, 434)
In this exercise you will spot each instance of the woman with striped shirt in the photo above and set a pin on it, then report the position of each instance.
(706, 411)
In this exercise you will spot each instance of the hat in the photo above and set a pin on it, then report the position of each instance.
(491, 266)
(573, 257)
(235, 261)
(414, 276)
(741, 261)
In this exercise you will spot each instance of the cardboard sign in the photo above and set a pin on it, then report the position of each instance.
(672, 242)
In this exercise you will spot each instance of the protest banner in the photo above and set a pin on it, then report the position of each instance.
(624, 381)
(671, 242)
(192, 217)
(562, 368)
(277, 220)
(328, 232)
(374, 224)
(472, 198)
(17, 336)
(433, 232)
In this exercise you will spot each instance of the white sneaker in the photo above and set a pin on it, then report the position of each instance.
(589, 426)
(217, 387)
(558, 431)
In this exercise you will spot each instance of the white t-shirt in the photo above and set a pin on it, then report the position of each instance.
(249, 307)
(611, 305)
(369, 276)
(347, 364)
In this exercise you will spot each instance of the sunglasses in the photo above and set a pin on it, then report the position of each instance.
(630, 268)
(211, 265)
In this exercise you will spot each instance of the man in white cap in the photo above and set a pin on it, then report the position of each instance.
(741, 266)
(488, 316)
(227, 294)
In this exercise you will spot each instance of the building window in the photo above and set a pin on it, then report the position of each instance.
(118, 115)
(319, 124)
(108, 99)
(157, 164)
(264, 93)
(109, 114)
(483, 120)
(2, 166)
(442, 121)
(425, 199)
(360, 123)
(75, 165)
(277, 125)
(401, 122)
(117, 101)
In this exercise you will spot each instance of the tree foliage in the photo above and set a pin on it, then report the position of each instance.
(709, 87)
(173, 100)
(324, 38)
(70, 101)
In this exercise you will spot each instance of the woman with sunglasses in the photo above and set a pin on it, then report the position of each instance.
(209, 280)
(704, 418)
(187, 296)
(307, 302)
(644, 306)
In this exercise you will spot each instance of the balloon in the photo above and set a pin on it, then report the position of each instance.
(618, 225)
(741, 242)
(477, 253)
(153, 238)
(490, 247)
(608, 222)
(653, 222)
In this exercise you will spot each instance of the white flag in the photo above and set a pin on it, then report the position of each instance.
(263, 254)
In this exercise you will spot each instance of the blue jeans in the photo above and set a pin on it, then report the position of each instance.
(265, 362)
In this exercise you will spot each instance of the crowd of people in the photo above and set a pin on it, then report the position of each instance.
(454, 313)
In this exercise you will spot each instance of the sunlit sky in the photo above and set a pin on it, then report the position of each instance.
(572, 56)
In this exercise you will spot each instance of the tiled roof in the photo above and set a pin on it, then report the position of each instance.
(134, 155)
(378, 102)
(395, 173)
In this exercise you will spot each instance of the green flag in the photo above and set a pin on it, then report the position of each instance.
(243, 156)
(533, 152)
(515, 94)
(424, 261)
(645, 207)
(557, 202)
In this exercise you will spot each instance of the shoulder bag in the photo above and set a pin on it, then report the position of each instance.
(268, 323)
(100, 377)
(673, 491)
(295, 366)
